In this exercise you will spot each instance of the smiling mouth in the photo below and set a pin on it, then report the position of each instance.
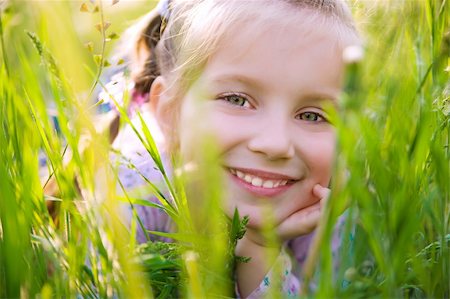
(259, 181)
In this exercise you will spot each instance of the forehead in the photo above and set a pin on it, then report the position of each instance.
(258, 14)
(296, 53)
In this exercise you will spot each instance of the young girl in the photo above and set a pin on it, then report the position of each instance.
(262, 73)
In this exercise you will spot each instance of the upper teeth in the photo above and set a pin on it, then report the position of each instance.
(257, 181)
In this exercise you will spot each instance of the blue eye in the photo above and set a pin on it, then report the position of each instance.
(311, 116)
(235, 99)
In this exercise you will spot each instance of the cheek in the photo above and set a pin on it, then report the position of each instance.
(319, 152)
(204, 121)
(194, 127)
(227, 130)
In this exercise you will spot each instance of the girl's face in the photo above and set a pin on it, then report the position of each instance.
(263, 97)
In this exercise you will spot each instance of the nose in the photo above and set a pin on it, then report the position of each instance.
(273, 139)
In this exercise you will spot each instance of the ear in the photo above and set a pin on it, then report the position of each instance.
(156, 90)
(158, 105)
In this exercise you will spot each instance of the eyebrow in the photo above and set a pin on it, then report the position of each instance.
(323, 97)
(245, 80)
(322, 101)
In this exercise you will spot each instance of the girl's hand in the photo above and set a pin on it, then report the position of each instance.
(304, 221)
(300, 223)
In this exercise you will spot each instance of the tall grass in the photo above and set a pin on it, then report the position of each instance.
(394, 138)
(87, 252)
(392, 172)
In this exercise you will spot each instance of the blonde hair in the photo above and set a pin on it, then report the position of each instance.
(180, 48)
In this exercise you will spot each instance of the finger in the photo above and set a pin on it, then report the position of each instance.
(301, 222)
(321, 192)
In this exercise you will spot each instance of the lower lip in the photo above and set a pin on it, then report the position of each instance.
(260, 191)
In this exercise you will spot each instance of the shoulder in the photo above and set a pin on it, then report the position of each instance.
(300, 247)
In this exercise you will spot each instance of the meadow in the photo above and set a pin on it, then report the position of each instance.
(391, 175)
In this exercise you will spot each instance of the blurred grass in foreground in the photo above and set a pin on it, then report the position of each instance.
(393, 167)
(392, 170)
